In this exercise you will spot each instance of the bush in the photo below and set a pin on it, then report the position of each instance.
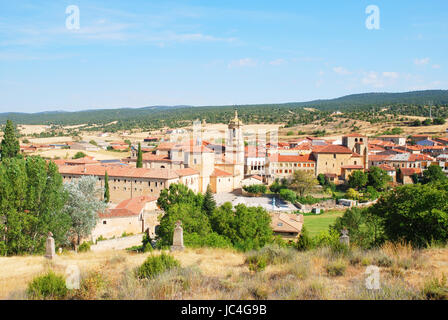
(256, 262)
(338, 248)
(155, 265)
(436, 289)
(255, 188)
(211, 240)
(84, 247)
(48, 286)
(288, 195)
(326, 238)
(304, 242)
(336, 268)
(271, 254)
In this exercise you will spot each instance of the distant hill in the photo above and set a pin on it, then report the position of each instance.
(156, 116)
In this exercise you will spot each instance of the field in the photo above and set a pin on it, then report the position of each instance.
(317, 223)
(208, 273)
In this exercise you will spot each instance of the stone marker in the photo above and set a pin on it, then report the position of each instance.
(50, 250)
(60, 250)
(178, 237)
(345, 239)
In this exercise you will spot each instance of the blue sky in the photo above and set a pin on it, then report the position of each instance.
(141, 53)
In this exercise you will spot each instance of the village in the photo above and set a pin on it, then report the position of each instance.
(229, 160)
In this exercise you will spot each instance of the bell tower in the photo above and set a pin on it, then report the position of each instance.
(235, 149)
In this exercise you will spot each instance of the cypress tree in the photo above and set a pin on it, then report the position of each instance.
(10, 143)
(139, 157)
(106, 188)
(209, 203)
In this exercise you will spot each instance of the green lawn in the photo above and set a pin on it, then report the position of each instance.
(320, 222)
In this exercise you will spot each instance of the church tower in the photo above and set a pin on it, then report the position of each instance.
(235, 149)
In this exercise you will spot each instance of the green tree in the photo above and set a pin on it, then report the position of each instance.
(178, 193)
(304, 242)
(79, 155)
(288, 195)
(357, 180)
(433, 173)
(10, 147)
(352, 194)
(302, 182)
(247, 227)
(106, 188)
(209, 204)
(139, 157)
(415, 213)
(378, 178)
(31, 202)
(194, 221)
(82, 206)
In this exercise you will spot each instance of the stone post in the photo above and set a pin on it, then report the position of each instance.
(344, 238)
(50, 249)
(178, 237)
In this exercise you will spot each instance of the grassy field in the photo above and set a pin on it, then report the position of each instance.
(207, 273)
(318, 223)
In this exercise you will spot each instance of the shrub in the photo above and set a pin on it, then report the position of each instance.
(48, 286)
(304, 242)
(436, 289)
(212, 240)
(256, 262)
(336, 268)
(155, 265)
(255, 188)
(326, 238)
(288, 195)
(84, 247)
(338, 248)
(271, 254)
(91, 286)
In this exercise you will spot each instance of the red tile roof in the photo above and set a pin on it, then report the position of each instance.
(220, 173)
(333, 149)
(119, 171)
(290, 158)
(386, 167)
(352, 166)
(186, 172)
(129, 207)
(410, 171)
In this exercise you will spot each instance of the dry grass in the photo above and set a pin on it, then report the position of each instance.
(222, 274)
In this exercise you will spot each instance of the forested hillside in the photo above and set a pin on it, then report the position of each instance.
(408, 103)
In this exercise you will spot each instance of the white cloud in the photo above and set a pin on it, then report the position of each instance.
(277, 62)
(246, 62)
(422, 61)
(372, 79)
(341, 71)
(391, 75)
(436, 66)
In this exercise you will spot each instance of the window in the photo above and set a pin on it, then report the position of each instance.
(334, 155)
(104, 222)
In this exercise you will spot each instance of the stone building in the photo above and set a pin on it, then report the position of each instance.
(126, 182)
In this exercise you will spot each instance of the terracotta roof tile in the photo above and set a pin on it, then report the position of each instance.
(333, 149)
(129, 207)
(220, 173)
(119, 171)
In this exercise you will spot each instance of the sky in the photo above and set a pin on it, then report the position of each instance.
(144, 53)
